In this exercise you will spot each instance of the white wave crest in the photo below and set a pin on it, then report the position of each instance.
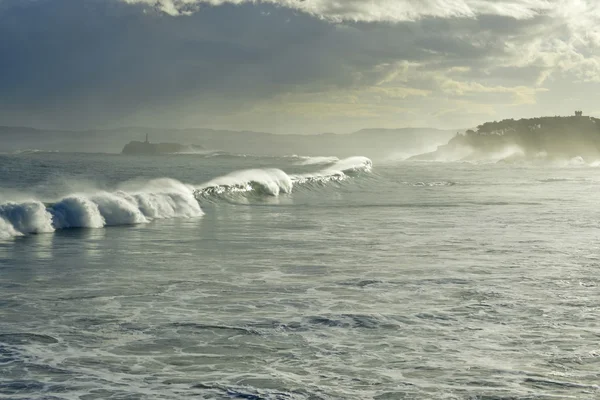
(141, 203)
(318, 160)
(271, 181)
(76, 212)
(337, 172)
(118, 209)
(351, 164)
(7, 231)
(33, 151)
(275, 181)
(27, 217)
(576, 161)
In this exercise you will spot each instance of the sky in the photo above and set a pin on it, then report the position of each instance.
(295, 66)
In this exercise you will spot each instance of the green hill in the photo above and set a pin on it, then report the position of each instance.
(552, 137)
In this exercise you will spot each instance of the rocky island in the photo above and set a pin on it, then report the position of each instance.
(137, 147)
(532, 138)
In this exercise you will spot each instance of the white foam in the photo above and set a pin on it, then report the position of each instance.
(7, 231)
(164, 198)
(337, 172)
(576, 161)
(318, 160)
(33, 151)
(27, 217)
(142, 202)
(76, 211)
(118, 209)
(351, 164)
(272, 181)
(508, 153)
(135, 203)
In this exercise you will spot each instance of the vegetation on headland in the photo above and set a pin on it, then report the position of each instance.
(555, 137)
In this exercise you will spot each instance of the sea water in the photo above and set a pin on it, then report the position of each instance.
(223, 276)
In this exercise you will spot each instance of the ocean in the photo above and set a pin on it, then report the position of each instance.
(224, 276)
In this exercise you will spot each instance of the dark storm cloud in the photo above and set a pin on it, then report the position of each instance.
(108, 62)
(114, 57)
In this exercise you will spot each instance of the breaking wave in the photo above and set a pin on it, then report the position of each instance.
(268, 181)
(318, 160)
(157, 199)
(509, 154)
(138, 203)
(430, 184)
(338, 171)
(32, 151)
(352, 165)
(275, 181)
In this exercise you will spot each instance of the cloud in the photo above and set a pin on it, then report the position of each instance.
(226, 63)
(375, 10)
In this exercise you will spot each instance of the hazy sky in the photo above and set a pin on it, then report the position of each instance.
(295, 66)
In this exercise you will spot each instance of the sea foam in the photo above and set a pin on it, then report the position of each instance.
(275, 181)
(141, 203)
(270, 181)
(318, 160)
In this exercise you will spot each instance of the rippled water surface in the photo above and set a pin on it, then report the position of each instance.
(326, 281)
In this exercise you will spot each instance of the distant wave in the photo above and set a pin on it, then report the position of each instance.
(202, 152)
(138, 203)
(268, 181)
(33, 151)
(301, 160)
(351, 165)
(318, 160)
(430, 184)
(338, 171)
(565, 179)
(273, 181)
(157, 199)
(509, 154)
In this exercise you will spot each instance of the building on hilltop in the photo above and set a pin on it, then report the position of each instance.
(578, 113)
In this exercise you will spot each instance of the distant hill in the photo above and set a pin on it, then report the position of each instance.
(368, 142)
(135, 147)
(549, 137)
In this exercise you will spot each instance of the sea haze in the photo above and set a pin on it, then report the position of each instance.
(299, 199)
(222, 275)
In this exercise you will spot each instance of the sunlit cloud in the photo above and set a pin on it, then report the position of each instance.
(346, 63)
(376, 10)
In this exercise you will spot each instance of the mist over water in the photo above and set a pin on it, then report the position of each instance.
(556, 140)
(229, 276)
(299, 199)
(141, 202)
